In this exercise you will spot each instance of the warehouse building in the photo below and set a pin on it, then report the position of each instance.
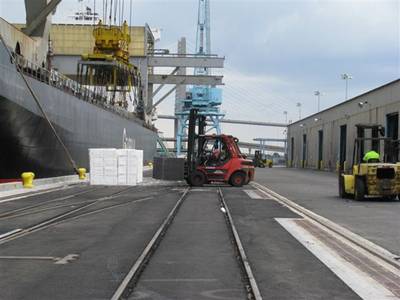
(325, 140)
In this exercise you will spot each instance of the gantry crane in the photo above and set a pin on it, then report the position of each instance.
(108, 68)
(205, 99)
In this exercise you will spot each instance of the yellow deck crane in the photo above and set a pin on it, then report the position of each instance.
(108, 67)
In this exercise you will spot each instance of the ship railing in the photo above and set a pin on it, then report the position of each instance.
(53, 78)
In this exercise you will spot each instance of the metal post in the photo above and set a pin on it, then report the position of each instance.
(180, 95)
(318, 94)
(298, 104)
(346, 77)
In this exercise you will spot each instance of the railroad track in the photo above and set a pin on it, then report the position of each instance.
(41, 207)
(130, 281)
(76, 212)
(368, 246)
(370, 259)
(14, 212)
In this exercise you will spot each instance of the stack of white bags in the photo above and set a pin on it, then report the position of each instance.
(116, 166)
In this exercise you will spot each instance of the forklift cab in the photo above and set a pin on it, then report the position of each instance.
(214, 152)
(214, 158)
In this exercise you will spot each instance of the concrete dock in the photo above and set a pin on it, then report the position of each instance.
(89, 242)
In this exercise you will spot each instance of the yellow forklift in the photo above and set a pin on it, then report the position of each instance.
(260, 162)
(374, 178)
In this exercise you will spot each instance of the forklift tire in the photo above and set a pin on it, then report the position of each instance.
(197, 178)
(342, 190)
(269, 165)
(390, 198)
(237, 179)
(359, 189)
(261, 165)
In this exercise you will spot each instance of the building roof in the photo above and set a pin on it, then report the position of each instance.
(347, 101)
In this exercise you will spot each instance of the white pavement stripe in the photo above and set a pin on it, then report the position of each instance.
(362, 284)
(58, 260)
(375, 249)
(29, 257)
(253, 194)
(9, 233)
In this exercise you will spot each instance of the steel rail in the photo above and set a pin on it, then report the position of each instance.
(60, 206)
(27, 210)
(63, 216)
(128, 283)
(353, 238)
(253, 292)
(9, 213)
(29, 194)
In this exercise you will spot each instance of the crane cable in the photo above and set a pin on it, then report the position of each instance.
(67, 153)
(115, 11)
(111, 4)
(130, 18)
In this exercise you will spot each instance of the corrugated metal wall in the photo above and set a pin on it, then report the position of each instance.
(377, 105)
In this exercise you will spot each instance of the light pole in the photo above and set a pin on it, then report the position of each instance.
(285, 113)
(298, 104)
(346, 77)
(318, 94)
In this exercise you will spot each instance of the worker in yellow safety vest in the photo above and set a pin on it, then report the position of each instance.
(371, 156)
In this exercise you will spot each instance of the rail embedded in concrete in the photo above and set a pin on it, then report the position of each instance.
(133, 275)
(252, 286)
(69, 215)
(365, 244)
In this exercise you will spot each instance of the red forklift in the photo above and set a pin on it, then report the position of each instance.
(214, 158)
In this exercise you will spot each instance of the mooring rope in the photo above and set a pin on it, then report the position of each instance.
(68, 154)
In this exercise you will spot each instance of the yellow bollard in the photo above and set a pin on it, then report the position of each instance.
(27, 179)
(82, 173)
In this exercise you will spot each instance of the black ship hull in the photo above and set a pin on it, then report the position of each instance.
(27, 142)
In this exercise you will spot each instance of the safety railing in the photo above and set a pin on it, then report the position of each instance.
(59, 81)
(62, 82)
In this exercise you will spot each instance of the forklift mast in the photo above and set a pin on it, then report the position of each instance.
(192, 152)
(377, 135)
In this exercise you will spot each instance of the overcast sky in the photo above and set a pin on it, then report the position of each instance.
(277, 52)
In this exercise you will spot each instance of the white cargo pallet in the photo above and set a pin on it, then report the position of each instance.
(110, 166)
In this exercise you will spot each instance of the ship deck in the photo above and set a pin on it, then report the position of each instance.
(164, 240)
